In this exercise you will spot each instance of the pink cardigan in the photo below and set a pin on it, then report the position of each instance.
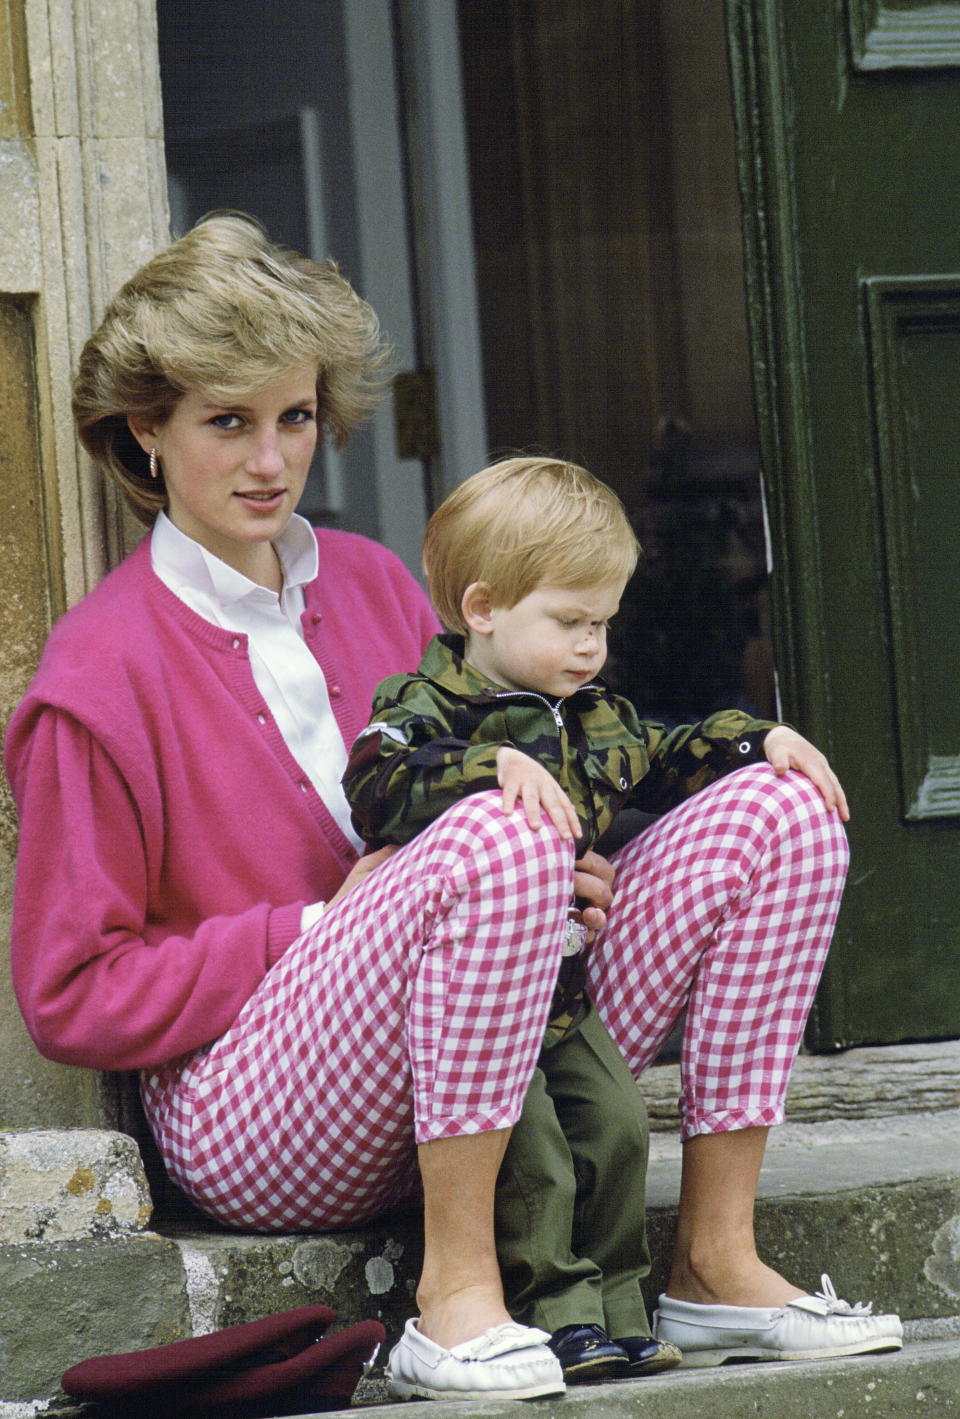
(169, 839)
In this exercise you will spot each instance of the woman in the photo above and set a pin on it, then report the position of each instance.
(313, 1029)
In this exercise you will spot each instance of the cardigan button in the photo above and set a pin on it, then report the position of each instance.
(304, 786)
(236, 642)
(261, 719)
(335, 692)
(317, 617)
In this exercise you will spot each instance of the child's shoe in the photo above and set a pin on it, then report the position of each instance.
(648, 1356)
(588, 1355)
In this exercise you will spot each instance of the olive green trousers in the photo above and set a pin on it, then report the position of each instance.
(571, 1234)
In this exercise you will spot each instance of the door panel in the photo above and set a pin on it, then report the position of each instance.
(914, 341)
(849, 133)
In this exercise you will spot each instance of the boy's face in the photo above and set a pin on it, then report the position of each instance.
(553, 641)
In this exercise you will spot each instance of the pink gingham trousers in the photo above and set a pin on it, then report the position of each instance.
(414, 1009)
(726, 905)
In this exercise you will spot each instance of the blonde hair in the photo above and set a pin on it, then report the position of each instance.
(223, 312)
(522, 522)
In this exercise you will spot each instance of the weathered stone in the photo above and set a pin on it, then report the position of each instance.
(64, 1185)
(876, 1204)
(858, 1083)
(942, 1266)
(365, 1273)
(19, 214)
(921, 1382)
(16, 119)
(65, 1301)
(82, 203)
(871, 1202)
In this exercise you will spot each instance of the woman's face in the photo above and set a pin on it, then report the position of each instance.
(234, 473)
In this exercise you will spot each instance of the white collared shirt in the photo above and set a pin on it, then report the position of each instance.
(286, 673)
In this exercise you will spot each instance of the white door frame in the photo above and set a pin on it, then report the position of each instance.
(436, 128)
(445, 335)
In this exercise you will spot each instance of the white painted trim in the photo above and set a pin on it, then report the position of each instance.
(385, 274)
(318, 239)
(438, 128)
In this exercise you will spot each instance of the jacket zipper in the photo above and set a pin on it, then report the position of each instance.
(535, 695)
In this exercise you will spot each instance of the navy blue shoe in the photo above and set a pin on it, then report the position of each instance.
(588, 1355)
(646, 1356)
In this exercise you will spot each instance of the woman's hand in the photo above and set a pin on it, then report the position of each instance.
(593, 883)
(362, 868)
(786, 749)
(523, 778)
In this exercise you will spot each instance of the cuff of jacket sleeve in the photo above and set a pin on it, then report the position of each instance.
(283, 930)
(748, 748)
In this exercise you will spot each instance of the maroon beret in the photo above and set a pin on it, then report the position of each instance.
(278, 1365)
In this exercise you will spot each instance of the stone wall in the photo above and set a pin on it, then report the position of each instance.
(82, 204)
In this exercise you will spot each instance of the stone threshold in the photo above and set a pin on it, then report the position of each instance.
(874, 1081)
(922, 1380)
(874, 1201)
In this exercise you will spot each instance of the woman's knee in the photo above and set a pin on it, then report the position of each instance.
(477, 828)
(796, 805)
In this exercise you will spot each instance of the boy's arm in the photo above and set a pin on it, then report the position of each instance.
(686, 759)
(408, 767)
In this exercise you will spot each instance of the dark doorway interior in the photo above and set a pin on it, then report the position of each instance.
(610, 273)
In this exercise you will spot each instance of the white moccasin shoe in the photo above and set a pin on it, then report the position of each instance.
(809, 1328)
(507, 1361)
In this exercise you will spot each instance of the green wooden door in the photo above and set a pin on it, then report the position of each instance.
(848, 120)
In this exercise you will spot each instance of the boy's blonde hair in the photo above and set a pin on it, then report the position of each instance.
(522, 522)
(222, 312)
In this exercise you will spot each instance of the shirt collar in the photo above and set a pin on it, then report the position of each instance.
(178, 559)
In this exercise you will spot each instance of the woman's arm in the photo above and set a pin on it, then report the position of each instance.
(100, 984)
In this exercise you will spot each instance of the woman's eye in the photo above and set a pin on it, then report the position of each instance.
(226, 421)
(298, 416)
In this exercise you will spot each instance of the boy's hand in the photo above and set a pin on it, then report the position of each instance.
(786, 749)
(523, 779)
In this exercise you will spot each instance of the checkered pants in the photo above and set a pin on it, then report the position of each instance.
(725, 905)
(414, 1009)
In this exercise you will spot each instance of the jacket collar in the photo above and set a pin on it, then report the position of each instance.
(444, 663)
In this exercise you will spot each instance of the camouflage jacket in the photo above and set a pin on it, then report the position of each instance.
(433, 739)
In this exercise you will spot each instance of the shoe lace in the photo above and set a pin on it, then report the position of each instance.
(499, 1340)
(836, 1306)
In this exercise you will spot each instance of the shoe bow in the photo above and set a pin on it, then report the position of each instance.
(826, 1302)
(500, 1340)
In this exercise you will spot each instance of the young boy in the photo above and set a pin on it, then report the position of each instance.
(526, 563)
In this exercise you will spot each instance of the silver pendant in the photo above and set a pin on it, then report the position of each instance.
(574, 936)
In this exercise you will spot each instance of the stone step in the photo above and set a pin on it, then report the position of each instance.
(922, 1380)
(875, 1202)
(873, 1082)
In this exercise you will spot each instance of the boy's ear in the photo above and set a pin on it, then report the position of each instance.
(476, 607)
